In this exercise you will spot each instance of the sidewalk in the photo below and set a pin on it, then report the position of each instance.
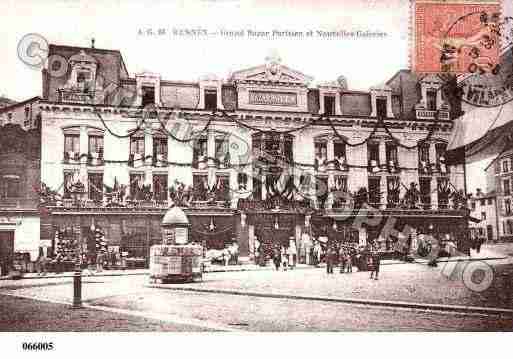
(485, 254)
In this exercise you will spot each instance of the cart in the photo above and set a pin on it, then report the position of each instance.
(176, 263)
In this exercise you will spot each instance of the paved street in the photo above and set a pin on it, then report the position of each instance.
(243, 301)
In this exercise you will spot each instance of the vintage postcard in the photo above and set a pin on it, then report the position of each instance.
(254, 166)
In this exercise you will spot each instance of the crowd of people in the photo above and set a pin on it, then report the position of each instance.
(332, 254)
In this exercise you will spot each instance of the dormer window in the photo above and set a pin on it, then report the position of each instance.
(211, 100)
(381, 107)
(431, 100)
(83, 79)
(329, 105)
(148, 96)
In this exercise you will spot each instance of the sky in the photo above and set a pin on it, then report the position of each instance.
(364, 61)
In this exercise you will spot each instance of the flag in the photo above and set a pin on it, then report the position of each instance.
(481, 133)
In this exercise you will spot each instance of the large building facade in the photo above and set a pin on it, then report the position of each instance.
(261, 155)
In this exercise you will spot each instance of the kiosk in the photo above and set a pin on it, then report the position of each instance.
(175, 259)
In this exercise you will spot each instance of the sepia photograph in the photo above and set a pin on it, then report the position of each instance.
(255, 166)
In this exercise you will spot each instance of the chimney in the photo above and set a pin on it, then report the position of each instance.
(92, 43)
(479, 193)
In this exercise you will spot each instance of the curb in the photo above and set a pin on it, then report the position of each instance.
(258, 268)
(368, 302)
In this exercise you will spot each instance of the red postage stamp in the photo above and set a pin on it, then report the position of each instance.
(455, 36)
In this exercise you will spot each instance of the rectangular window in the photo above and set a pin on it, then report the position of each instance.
(257, 188)
(482, 202)
(160, 187)
(425, 191)
(221, 149)
(443, 193)
(506, 187)
(136, 185)
(391, 150)
(222, 191)
(489, 201)
(431, 100)
(505, 166)
(393, 189)
(9, 187)
(199, 152)
(381, 107)
(95, 184)
(483, 215)
(321, 189)
(473, 206)
(329, 105)
(321, 153)
(507, 206)
(373, 153)
(137, 145)
(159, 151)
(200, 187)
(242, 181)
(424, 153)
(148, 95)
(374, 190)
(96, 145)
(211, 100)
(26, 121)
(72, 143)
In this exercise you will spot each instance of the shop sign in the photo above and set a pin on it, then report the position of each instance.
(272, 98)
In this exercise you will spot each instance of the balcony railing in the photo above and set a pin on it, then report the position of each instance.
(18, 202)
(71, 157)
(95, 159)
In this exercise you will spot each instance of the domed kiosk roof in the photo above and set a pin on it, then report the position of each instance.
(175, 216)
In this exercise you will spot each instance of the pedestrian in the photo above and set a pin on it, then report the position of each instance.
(342, 259)
(479, 243)
(376, 261)
(292, 253)
(99, 261)
(84, 264)
(284, 258)
(317, 253)
(41, 262)
(277, 257)
(349, 261)
(329, 260)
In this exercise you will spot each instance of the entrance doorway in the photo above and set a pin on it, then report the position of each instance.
(489, 233)
(6, 250)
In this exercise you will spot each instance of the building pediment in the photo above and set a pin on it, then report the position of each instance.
(272, 72)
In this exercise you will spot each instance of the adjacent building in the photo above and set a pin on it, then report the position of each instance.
(263, 154)
(19, 194)
(484, 212)
(501, 171)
